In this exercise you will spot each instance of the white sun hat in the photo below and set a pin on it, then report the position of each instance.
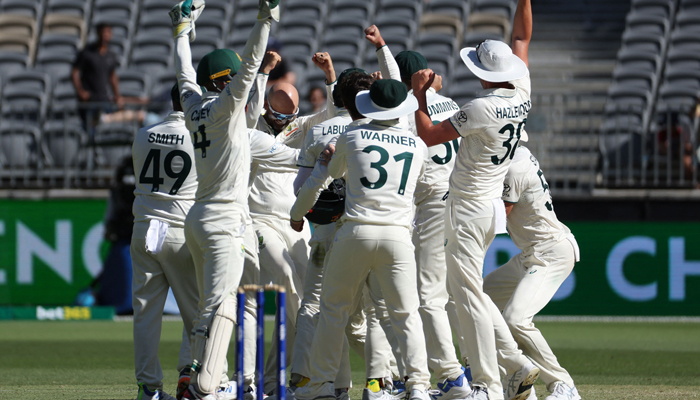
(494, 61)
(386, 99)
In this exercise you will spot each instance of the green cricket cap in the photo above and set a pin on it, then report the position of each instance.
(217, 63)
(388, 93)
(410, 62)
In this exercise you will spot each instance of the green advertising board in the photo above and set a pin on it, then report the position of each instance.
(51, 249)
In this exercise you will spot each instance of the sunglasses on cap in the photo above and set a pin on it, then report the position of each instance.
(283, 117)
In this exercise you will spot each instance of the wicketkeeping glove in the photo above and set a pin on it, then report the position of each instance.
(269, 9)
(183, 15)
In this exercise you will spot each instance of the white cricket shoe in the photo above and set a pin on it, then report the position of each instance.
(368, 394)
(250, 392)
(417, 394)
(519, 385)
(192, 394)
(290, 394)
(147, 394)
(342, 394)
(478, 393)
(449, 390)
(562, 391)
(311, 392)
(227, 391)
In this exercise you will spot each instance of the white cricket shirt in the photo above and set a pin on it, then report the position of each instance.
(166, 178)
(532, 222)
(272, 192)
(441, 157)
(217, 122)
(381, 161)
(492, 126)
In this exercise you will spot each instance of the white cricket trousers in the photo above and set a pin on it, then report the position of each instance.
(521, 288)
(283, 255)
(153, 275)
(469, 231)
(307, 319)
(387, 251)
(429, 238)
(214, 233)
(382, 353)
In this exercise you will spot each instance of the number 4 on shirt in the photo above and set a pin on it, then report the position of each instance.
(201, 144)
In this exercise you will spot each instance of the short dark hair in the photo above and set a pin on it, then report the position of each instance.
(101, 26)
(350, 87)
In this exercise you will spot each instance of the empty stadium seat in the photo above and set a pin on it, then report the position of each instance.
(401, 9)
(354, 9)
(390, 25)
(11, 62)
(682, 76)
(682, 57)
(648, 23)
(342, 44)
(439, 62)
(221, 9)
(113, 142)
(505, 8)
(437, 42)
(300, 28)
(63, 142)
(496, 24)
(133, 83)
(64, 102)
(56, 62)
(30, 8)
(688, 20)
(155, 25)
(59, 42)
(304, 9)
(456, 8)
(474, 38)
(396, 43)
(635, 77)
(350, 27)
(20, 104)
(65, 24)
(38, 81)
(663, 8)
(210, 25)
(19, 145)
(442, 24)
(79, 8)
(679, 96)
(643, 41)
(639, 59)
(124, 9)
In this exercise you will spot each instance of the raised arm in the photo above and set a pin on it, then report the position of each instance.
(387, 64)
(256, 98)
(522, 30)
(431, 134)
(325, 63)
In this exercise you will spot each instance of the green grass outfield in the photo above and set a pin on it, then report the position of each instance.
(94, 360)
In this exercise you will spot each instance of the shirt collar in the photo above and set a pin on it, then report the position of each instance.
(497, 92)
(175, 116)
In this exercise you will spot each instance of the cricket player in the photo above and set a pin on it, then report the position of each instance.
(526, 283)
(165, 190)
(263, 148)
(307, 185)
(382, 161)
(284, 252)
(428, 225)
(492, 127)
(215, 225)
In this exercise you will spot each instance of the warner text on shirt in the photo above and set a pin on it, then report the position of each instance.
(388, 138)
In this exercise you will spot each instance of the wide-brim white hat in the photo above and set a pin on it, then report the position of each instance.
(494, 61)
(370, 109)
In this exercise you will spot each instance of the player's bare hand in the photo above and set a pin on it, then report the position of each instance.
(327, 154)
(422, 80)
(374, 36)
(272, 58)
(297, 225)
(377, 75)
(325, 63)
(437, 83)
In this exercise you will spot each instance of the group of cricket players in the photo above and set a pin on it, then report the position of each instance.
(225, 183)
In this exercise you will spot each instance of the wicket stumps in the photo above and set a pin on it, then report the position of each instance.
(260, 340)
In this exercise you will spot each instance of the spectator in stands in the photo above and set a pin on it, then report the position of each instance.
(282, 72)
(317, 99)
(94, 72)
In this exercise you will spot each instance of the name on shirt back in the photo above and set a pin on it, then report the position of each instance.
(388, 138)
(166, 138)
